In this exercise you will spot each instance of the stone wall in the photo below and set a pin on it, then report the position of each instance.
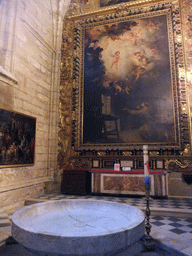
(30, 46)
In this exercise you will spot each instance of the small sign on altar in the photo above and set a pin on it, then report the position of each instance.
(116, 167)
(126, 168)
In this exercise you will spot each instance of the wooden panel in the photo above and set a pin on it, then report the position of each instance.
(76, 182)
(96, 182)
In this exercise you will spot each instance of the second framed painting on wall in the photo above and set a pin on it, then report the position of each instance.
(17, 139)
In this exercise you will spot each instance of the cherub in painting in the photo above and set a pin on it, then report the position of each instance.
(140, 64)
(116, 59)
(140, 69)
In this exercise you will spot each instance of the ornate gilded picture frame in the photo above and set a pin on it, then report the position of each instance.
(17, 139)
(129, 81)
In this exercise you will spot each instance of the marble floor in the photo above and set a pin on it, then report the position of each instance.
(170, 219)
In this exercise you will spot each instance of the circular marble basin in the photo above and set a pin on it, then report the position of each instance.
(77, 227)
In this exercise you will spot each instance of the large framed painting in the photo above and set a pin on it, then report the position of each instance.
(128, 87)
(17, 139)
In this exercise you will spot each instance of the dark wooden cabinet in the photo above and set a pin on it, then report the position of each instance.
(76, 182)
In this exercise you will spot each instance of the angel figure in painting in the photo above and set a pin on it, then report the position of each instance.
(140, 64)
(140, 69)
(116, 59)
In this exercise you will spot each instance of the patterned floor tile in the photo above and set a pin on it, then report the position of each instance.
(157, 218)
(186, 228)
(158, 223)
(176, 225)
(190, 225)
(174, 219)
(180, 225)
(177, 231)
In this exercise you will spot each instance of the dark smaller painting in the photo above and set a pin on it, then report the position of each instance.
(112, 2)
(17, 139)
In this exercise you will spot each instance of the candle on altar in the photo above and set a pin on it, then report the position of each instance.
(146, 163)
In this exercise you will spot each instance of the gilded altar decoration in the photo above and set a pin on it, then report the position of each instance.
(187, 26)
(127, 153)
(174, 165)
(66, 85)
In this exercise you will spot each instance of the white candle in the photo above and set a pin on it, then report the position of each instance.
(146, 160)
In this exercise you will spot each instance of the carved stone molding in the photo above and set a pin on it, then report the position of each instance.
(6, 76)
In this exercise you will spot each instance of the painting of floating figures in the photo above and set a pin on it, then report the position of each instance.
(128, 88)
(17, 139)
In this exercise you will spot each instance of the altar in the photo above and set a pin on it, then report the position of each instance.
(128, 182)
